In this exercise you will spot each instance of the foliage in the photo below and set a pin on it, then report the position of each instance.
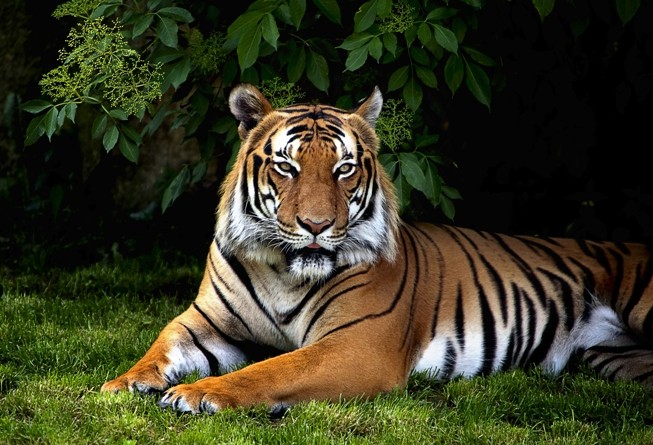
(139, 63)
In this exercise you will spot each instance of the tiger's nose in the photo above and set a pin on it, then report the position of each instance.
(314, 227)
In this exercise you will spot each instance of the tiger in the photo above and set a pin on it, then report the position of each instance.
(315, 288)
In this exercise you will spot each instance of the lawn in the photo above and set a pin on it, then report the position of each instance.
(64, 332)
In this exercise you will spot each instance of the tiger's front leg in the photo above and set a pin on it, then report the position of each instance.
(330, 369)
(176, 353)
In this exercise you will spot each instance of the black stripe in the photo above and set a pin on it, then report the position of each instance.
(531, 318)
(214, 365)
(247, 282)
(566, 296)
(642, 280)
(498, 287)
(536, 245)
(221, 296)
(553, 320)
(416, 280)
(460, 319)
(440, 281)
(518, 331)
(617, 278)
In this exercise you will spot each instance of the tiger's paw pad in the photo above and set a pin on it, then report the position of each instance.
(185, 399)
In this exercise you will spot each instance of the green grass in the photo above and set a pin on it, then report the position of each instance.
(63, 333)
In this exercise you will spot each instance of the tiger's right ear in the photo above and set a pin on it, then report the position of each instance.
(249, 106)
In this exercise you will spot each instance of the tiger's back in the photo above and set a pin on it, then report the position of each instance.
(311, 260)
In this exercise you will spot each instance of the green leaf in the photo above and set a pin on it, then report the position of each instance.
(269, 30)
(390, 42)
(248, 48)
(383, 8)
(390, 163)
(128, 148)
(411, 170)
(479, 57)
(451, 192)
(142, 24)
(403, 192)
(50, 122)
(119, 114)
(626, 9)
(70, 110)
(399, 78)
(243, 24)
(99, 125)
(412, 94)
(166, 31)
(297, 66)
(445, 38)
(178, 74)
(35, 106)
(317, 71)
(432, 183)
(376, 48)
(34, 130)
(175, 188)
(424, 33)
(297, 11)
(454, 72)
(110, 137)
(427, 76)
(447, 207)
(355, 41)
(199, 171)
(177, 14)
(330, 9)
(544, 7)
(478, 83)
(356, 58)
(439, 14)
(365, 16)
(131, 133)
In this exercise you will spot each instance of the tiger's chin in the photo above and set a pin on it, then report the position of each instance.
(311, 264)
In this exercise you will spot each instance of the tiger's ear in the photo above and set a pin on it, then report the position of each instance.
(248, 105)
(370, 108)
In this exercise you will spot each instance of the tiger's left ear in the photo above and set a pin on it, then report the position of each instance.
(248, 105)
(370, 108)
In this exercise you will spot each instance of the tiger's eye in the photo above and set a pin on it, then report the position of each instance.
(345, 168)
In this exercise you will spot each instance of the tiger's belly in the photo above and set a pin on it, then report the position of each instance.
(449, 356)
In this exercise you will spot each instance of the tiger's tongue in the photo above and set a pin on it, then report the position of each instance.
(313, 246)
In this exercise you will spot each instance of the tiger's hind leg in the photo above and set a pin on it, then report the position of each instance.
(623, 357)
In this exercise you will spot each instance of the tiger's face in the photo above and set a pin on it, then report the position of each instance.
(307, 192)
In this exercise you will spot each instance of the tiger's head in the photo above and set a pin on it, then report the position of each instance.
(307, 192)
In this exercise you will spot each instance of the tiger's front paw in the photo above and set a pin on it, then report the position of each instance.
(143, 382)
(199, 397)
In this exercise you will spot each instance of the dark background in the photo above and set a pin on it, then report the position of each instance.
(564, 150)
